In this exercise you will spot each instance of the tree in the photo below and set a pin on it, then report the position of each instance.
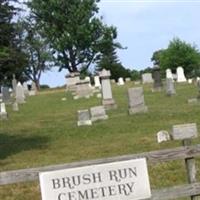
(179, 53)
(12, 59)
(75, 33)
(37, 50)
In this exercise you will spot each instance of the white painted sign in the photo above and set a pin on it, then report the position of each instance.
(124, 180)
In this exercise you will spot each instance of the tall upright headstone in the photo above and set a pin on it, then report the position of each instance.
(3, 113)
(147, 78)
(170, 89)
(169, 74)
(157, 79)
(97, 83)
(33, 90)
(136, 100)
(6, 94)
(108, 101)
(14, 85)
(25, 86)
(20, 97)
(180, 75)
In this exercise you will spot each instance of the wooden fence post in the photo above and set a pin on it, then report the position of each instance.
(186, 132)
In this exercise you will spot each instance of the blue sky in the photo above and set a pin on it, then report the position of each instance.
(143, 27)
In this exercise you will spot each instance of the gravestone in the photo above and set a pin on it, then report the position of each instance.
(190, 80)
(169, 74)
(6, 94)
(170, 89)
(26, 91)
(97, 83)
(180, 75)
(83, 90)
(112, 81)
(14, 85)
(136, 101)
(108, 101)
(147, 78)
(3, 113)
(127, 79)
(20, 97)
(84, 118)
(33, 90)
(15, 107)
(184, 131)
(120, 81)
(98, 113)
(71, 80)
(157, 86)
(163, 136)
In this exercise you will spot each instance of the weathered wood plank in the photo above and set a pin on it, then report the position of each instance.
(31, 174)
(176, 192)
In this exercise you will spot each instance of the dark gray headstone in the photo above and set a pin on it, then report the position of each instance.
(157, 79)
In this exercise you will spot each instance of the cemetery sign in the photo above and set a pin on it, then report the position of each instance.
(124, 180)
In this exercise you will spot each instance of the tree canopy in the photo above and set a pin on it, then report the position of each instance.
(12, 59)
(179, 53)
(75, 33)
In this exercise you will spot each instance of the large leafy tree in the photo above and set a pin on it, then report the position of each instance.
(75, 33)
(12, 59)
(179, 53)
(37, 49)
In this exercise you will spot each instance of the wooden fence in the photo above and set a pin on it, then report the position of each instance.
(192, 189)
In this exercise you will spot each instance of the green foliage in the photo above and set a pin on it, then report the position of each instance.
(179, 53)
(75, 34)
(135, 75)
(12, 59)
(36, 48)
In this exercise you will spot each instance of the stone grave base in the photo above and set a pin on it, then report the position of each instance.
(32, 93)
(84, 123)
(139, 109)
(109, 104)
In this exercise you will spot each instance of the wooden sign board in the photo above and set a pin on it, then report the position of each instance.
(124, 180)
(184, 131)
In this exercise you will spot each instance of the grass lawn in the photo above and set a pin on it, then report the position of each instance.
(45, 132)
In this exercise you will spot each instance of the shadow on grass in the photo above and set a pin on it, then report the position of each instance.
(12, 144)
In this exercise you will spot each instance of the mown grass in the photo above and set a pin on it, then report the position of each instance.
(44, 132)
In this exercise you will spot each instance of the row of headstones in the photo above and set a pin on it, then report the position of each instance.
(16, 95)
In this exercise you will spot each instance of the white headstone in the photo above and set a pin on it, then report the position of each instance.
(97, 83)
(180, 75)
(20, 97)
(123, 180)
(147, 78)
(169, 74)
(190, 80)
(3, 113)
(163, 136)
(120, 81)
(84, 118)
(15, 106)
(25, 86)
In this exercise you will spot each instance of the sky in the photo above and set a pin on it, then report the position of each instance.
(144, 26)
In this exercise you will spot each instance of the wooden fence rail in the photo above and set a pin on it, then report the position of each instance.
(25, 175)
